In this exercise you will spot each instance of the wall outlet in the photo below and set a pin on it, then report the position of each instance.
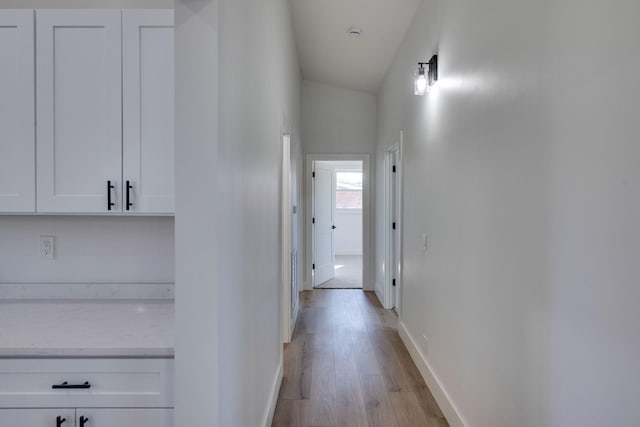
(47, 247)
(424, 344)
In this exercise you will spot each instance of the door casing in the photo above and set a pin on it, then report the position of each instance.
(367, 283)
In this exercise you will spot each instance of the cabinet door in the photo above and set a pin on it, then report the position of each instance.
(17, 112)
(37, 417)
(79, 108)
(148, 127)
(124, 417)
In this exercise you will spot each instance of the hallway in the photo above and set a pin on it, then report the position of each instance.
(347, 367)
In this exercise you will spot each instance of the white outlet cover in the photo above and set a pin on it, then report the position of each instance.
(47, 247)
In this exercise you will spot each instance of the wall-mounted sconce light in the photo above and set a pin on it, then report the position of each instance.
(426, 76)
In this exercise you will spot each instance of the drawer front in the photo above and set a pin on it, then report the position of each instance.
(62, 417)
(125, 417)
(123, 383)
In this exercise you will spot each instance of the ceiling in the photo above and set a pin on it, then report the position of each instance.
(328, 54)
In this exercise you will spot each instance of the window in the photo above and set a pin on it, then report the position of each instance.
(348, 190)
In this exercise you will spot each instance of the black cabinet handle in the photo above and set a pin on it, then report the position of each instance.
(83, 421)
(59, 421)
(129, 188)
(66, 386)
(333, 227)
(110, 187)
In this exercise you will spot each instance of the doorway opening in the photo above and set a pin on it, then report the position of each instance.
(337, 252)
(392, 293)
(337, 224)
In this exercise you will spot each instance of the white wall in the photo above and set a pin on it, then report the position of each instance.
(197, 319)
(337, 120)
(87, 250)
(521, 167)
(340, 121)
(593, 197)
(348, 236)
(228, 219)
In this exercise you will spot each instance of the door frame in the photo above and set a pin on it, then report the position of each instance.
(366, 215)
(287, 211)
(388, 234)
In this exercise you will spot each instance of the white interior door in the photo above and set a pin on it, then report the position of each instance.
(79, 109)
(17, 112)
(323, 253)
(125, 417)
(148, 115)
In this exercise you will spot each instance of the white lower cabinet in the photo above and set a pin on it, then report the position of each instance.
(38, 417)
(124, 418)
(86, 417)
(86, 393)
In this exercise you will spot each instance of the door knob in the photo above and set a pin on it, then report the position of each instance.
(83, 421)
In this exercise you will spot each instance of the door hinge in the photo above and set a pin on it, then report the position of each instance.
(393, 282)
(313, 220)
(394, 168)
(313, 174)
(313, 266)
(393, 225)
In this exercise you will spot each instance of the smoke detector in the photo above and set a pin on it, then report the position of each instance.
(354, 31)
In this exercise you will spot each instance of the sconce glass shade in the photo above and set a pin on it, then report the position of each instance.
(421, 82)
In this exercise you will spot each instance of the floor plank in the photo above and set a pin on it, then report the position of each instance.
(407, 409)
(377, 403)
(291, 413)
(347, 366)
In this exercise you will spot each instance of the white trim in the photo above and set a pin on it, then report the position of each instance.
(446, 404)
(286, 239)
(387, 287)
(270, 410)
(367, 283)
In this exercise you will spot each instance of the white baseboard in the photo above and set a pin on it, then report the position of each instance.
(294, 321)
(449, 409)
(380, 295)
(271, 406)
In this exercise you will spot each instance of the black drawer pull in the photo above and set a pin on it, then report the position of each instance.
(66, 386)
(60, 421)
(83, 420)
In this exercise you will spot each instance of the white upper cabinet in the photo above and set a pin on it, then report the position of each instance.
(148, 111)
(17, 112)
(79, 110)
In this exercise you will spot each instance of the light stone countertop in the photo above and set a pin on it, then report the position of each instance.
(86, 328)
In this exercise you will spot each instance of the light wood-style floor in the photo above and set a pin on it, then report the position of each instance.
(347, 367)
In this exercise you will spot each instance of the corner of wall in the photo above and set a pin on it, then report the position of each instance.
(446, 404)
(275, 391)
